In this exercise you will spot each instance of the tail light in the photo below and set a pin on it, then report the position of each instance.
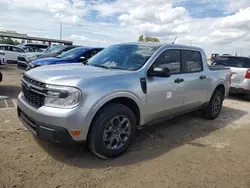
(248, 74)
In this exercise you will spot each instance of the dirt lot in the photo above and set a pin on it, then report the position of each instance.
(188, 151)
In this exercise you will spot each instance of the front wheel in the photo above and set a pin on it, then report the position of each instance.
(212, 110)
(112, 131)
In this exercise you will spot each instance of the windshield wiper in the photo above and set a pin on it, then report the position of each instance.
(102, 66)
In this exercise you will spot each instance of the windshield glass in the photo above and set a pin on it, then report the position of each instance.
(127, 57)
(75, 52)
(55, 49)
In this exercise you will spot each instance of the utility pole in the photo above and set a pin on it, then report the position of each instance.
(60, 31)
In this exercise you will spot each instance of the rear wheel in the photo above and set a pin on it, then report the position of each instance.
(212, 110)
(112, 131)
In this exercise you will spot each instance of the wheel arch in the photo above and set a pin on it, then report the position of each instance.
(219, 86)
(125, 98)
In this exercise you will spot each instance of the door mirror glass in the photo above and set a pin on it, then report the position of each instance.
(160, 72)
(83, 60)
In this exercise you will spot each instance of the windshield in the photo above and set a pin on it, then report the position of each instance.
(55, 49)
(73, 53)
(126, 57)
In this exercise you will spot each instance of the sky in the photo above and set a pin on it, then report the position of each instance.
(218, 26)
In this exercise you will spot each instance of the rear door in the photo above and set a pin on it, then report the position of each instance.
(10, 54)
(195, 79)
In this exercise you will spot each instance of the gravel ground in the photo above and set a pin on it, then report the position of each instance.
(187, 151)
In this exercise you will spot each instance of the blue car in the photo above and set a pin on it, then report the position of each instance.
(75, 55)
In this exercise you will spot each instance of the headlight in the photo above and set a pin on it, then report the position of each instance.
(62, 97)
(2, 53)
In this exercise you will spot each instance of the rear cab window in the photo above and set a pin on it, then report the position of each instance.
(193, 61)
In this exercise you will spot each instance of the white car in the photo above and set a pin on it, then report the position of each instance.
(11, 52)
(24, 59)
(2, 58)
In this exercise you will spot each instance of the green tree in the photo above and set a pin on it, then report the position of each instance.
(141, 38)
(8, 40)
(16, 42)
(2, 40)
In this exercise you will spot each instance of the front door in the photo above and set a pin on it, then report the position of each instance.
(165, 96)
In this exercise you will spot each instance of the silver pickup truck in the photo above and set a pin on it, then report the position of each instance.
(123, 88)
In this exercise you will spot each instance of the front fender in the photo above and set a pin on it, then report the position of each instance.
(102, 101)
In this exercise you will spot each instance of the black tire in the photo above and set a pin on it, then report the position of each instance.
(247, 97)
(101, 120)
(209, 112)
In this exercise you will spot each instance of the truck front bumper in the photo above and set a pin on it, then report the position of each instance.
(51, 124)
(44, 131)
(22, 65)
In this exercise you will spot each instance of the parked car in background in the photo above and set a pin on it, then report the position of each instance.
(75, 55)
(29, 49)
(240, 67)
(213, 56)
(43, 47)
(122, 88)
(53, 51)
(2, 58)
(11, 52)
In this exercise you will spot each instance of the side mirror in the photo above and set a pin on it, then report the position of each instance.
(160, 72)
(83, 60)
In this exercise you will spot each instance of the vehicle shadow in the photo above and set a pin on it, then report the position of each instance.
(151, 142)
(10, 91)
(238, 97)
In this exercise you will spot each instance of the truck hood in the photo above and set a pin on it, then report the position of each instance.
(49, 61)
(68, 74)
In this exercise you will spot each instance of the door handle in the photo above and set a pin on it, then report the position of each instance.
(202, 77)
(179, 80)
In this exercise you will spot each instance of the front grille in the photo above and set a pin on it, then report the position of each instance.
(32, 94)
(34, 82)
(33, 98)
(21, 59)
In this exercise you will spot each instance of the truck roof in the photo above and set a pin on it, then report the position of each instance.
(159, 44)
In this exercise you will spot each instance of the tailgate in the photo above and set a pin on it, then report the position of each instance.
(238, 74)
